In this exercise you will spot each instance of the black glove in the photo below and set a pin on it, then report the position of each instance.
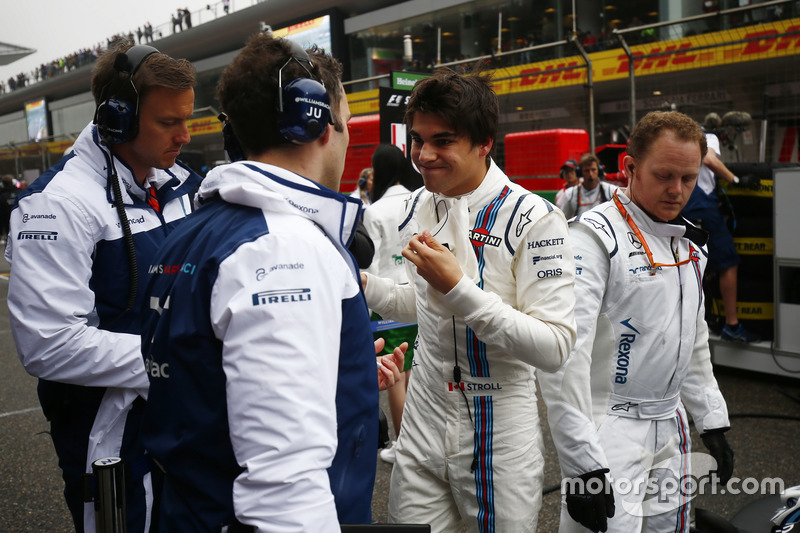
(590, 500)
(721, 451)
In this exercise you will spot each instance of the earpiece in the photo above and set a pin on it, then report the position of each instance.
(117, 118)
(630, 169)
(304, 107)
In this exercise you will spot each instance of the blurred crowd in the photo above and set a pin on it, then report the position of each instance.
(181, 20)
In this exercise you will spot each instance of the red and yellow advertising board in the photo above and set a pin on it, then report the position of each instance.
(753, 43)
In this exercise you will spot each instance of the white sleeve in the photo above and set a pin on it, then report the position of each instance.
(374, 229)
(281, 363)
(568, 392)
(700, 392)
(52, 308)
(568, 204)
(391, 300)
(712, 141)
(540, 328)
(559, 200)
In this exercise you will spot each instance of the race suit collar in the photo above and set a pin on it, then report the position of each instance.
(484, 192)
(647, 224)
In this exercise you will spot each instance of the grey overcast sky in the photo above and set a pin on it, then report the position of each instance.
(56, 28)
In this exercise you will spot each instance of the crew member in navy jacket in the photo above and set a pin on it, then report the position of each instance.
(263, 408)
(82, 236)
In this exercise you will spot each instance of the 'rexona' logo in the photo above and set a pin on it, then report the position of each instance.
(281, 296)
(624, 352)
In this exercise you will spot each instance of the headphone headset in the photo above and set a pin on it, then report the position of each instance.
(304, 108)
(117, 119)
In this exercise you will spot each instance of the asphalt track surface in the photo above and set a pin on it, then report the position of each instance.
(765, 447)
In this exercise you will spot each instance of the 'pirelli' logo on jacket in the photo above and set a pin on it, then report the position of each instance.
(280, 296)
(37, 235)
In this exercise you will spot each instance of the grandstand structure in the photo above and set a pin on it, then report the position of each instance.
(558, 65)
(11, 52)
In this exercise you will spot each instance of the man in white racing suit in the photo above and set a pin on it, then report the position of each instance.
(491, 275)
(83, 235)
(591, 191)
(641, 358)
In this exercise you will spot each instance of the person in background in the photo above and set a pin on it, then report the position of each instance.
(490, 286)
(590, 192)
(83, 237)
(703, 210)
(393, 182)
(569, 174)
(364, 188)
(177, 20)
(8, 195)
(619, 405)
(263, 407)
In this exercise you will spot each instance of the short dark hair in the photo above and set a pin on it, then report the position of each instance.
(467, 103)
(156, 70)
(649, 128)
(248, 89)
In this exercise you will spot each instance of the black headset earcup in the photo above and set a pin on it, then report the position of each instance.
(116, 121)
(306, 111)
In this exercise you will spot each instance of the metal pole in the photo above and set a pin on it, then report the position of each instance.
(499, 32)
(439, 45)
(762, 145)
(574, 19)
(109, 498)
(631, 75)
(589, 86)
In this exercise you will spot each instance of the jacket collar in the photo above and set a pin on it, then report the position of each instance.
(273, 188)
(99, 158)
